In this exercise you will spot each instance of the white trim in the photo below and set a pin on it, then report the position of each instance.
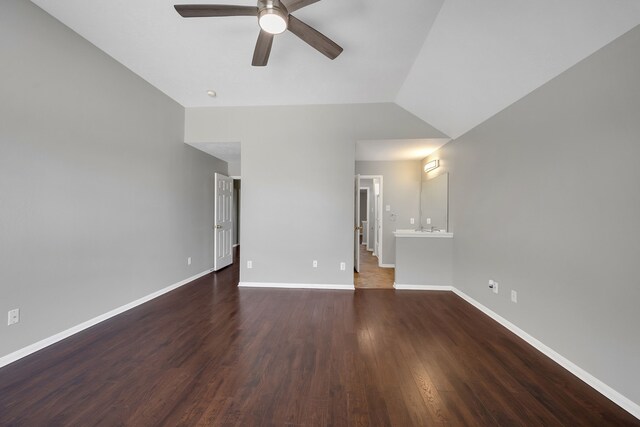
(386, 265)
(613, 395)
(25, 351)
(422, 287)
(296, 286)
(380, 216)
(602, 388)
(423, 234)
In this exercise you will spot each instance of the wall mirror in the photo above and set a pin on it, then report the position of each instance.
(434, 202)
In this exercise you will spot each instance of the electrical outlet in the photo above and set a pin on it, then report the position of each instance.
(315, 263)
(493, 285)
(13, 317)
(387, 208)
(343, 266)
(514, 296)
(412, 221)
(189, 261)
(249, 264)
(428, 221)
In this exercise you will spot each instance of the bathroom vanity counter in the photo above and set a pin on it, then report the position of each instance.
(423, 260)
(426, 234)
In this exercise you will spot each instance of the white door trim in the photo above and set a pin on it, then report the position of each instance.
(356, 221)
(367, 218)
(222, 221)
(380, 214)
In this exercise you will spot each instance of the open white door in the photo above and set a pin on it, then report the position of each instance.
(223, 222)
(357, 227)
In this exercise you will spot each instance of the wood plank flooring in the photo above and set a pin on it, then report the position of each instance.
(371, 276)
(212, 354)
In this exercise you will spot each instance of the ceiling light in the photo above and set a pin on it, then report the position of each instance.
(431, 165)
(272, 20)
(212, 93)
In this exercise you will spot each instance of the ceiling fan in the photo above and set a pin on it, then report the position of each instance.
(274, 18)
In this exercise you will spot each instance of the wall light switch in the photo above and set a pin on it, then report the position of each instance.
(13, 317)
(514, 296)
(315, 263)
(189, 261)
(249, 264)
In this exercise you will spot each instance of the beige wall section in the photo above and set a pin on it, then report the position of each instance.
(102, 202)
(297, 181)
(544, 199)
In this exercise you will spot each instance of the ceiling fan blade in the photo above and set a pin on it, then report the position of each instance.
(205, 10)
(314, 38)
(293, 5)
(263, 49)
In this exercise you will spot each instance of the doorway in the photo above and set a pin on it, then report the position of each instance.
(371, 274)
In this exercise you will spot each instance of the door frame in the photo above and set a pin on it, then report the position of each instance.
(380, 215)
(357, 224)
(368, 210)
(217, 228)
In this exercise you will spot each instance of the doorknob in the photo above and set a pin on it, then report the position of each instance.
(218, 226)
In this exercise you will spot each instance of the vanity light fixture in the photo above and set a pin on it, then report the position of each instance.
(433, 164)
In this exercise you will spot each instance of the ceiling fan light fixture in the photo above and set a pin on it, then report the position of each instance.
(272, 20)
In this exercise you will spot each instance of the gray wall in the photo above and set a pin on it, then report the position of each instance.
(101, 201)
(544, 199)
(424, 261)
(299, 162)
(401, 190)
(235, 168)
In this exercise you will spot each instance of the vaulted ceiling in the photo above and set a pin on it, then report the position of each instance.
(453, 63)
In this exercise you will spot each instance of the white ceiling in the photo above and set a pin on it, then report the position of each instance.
(482, 56)
(399, 149)
(227, 151)
(186, 57)
(452, 65)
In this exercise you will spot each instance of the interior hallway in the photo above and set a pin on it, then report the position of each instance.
(371, 276)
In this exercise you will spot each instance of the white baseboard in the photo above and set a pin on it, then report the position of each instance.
(602, 388)
(422, 287)
(295, 286)
(613, 395)
(387, 265)
(25, 351)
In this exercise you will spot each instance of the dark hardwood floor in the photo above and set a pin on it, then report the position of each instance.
(210, 353)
